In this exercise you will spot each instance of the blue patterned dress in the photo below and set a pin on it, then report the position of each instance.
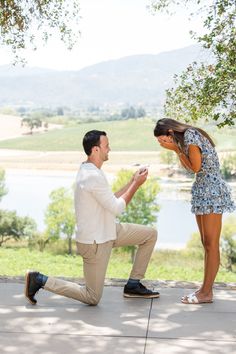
(210, 193)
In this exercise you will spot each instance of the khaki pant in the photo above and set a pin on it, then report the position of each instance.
(95, 262)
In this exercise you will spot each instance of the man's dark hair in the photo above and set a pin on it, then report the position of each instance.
(91, 139)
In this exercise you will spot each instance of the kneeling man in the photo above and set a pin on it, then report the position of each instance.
(96, 208)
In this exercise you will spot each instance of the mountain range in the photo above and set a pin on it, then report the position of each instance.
(133, 80)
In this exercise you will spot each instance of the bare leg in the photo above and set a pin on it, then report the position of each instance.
(200, 227)
(210, 226)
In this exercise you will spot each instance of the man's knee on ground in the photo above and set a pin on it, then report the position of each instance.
(93, 303)
(94, 299)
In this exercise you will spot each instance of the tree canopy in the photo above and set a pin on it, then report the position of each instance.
(23, 23)
(207, 90)
(143, 207)
(14, 226)
(60, 216)
(31, 123)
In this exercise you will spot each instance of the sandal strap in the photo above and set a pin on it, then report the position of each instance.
(192, 298)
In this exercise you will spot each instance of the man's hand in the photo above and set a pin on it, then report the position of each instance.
(137, 180)
(140, 176)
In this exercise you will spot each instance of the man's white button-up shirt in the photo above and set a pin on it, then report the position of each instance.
(96, 206)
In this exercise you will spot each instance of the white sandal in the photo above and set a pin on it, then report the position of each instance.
(192, 299)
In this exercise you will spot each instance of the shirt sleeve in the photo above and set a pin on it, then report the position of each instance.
(192, 137)
(101, 191)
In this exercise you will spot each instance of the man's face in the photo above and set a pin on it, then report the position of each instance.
(104, 148)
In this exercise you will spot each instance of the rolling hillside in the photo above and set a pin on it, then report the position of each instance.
(139, 79)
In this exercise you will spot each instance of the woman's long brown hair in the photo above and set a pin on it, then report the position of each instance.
(168, 126)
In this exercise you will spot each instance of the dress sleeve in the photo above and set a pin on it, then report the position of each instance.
(192, 137)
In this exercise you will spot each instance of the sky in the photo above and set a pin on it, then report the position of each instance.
(111, 29)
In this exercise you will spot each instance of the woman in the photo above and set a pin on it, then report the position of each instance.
(210, 194)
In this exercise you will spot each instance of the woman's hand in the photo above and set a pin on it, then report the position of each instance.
(167, 142)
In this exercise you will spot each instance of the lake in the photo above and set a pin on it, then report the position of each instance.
(28, 194)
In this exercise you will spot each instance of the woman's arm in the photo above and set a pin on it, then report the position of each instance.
(194, 159)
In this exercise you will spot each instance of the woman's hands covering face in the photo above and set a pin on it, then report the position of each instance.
(167, 142)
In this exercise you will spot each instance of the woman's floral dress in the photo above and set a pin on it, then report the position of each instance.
(210, 193)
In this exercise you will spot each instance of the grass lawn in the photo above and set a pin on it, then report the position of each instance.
(128, 135)
(165, 265)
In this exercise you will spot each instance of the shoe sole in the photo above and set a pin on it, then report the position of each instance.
(26, 288)
(141, 296)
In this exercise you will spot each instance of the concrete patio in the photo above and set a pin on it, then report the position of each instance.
(117, 325)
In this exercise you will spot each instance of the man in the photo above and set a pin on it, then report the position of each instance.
(97, 233)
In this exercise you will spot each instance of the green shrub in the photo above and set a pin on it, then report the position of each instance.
(228, 166)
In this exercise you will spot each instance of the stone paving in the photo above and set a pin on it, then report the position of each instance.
(117, 325)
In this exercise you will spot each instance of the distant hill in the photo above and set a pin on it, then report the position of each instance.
(138, 79)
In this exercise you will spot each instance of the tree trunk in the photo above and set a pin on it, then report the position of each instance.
(69, 245)
(229, 264)
(4, 240)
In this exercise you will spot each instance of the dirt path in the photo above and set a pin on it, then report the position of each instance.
(70, 160)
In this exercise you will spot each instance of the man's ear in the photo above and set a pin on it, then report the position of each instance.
(94, 148)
